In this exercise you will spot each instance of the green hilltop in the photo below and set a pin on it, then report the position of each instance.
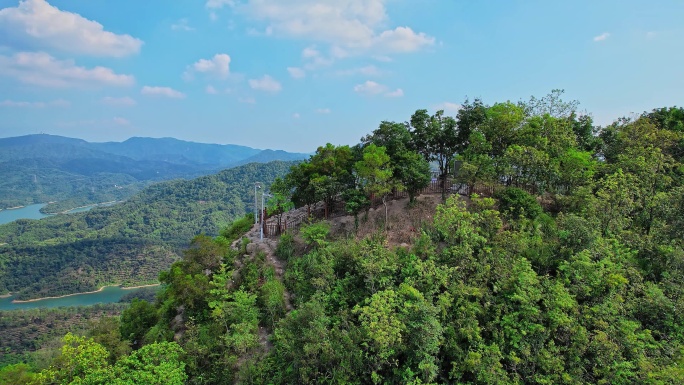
(561, 263)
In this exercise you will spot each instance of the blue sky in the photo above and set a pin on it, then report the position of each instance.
(295, 74)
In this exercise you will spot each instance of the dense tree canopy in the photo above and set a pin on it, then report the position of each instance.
(571, 272)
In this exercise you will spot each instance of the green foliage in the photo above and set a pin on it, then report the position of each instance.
(154, 364)
(272, 300)
(375, 174)
(518, 203)
(238, 228)
(286, 247)
(28, 335)
(457, 226)
(279, 202)
(315, 234)
(326, 174)
(409, 169)
(136, 321)
(16, 374)
(106, 331)
(437, 139)
(492, 291)
(83, 361)
(355, 201)
(412, 173)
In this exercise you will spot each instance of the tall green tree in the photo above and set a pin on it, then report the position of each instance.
(375, 174)
(279, 203)
(326, 174)
(468, 118)
(136, 321)
(408, 168)
(436, 138)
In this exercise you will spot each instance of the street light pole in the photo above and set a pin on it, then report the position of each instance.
(256, 202)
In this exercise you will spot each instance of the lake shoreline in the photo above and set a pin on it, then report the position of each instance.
(73, 294)
(93, 205)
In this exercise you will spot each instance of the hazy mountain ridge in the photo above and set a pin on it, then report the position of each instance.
(43, 168)
(172, 150)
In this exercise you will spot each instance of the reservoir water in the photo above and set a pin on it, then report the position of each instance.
(109, 294)
(33, 212)
(26, 212)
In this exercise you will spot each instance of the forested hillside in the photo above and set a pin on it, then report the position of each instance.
(73, 173)
(568, 270)
(128, 243)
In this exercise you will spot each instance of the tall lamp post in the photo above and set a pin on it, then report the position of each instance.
(263, 194)
(257, 185)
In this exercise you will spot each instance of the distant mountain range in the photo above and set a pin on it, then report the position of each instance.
(45, 168)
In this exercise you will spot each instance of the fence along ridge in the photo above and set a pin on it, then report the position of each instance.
(272, 229)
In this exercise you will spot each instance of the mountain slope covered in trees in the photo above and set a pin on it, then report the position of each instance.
(569, 273)
(127, 243)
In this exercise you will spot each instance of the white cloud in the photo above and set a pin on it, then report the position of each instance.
(22, 104)
(162, 91)
(181, 25)
(247, 100)
(349, 26)
(255, 32)
(38, 24)
(121, 121)
(295, 115)
(266, 83)
(602, 36)
(373, 88)
(448, 107)
(314, 58)
(123, 102)
(369, 70)
(310, 52)
(211, 90)
(41, 69)
(370, 88)
(296, 72)
(323, 110)
(213, 16)
(402, 40)
(395, 94)
(338, 52)
(214, 4)
(218, 66)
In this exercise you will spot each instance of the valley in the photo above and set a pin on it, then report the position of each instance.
(125, 244)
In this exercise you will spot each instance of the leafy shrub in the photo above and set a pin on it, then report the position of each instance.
(315, 233)
(286, 247)
(238, 227)
(517, 203)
